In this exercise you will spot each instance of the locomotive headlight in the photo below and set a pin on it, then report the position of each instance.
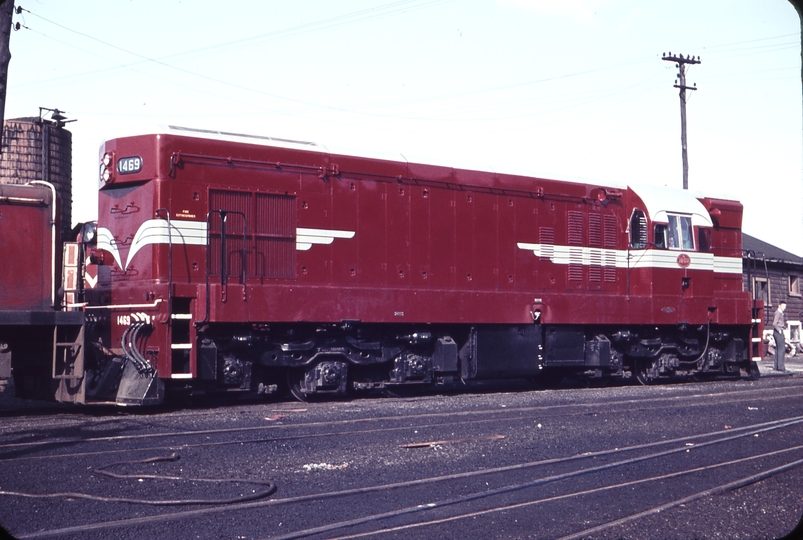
(89, 233)
(105, 172)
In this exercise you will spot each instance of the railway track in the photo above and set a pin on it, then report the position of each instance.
(683, 464)
(344, 427)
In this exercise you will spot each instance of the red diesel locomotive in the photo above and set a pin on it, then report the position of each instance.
(229, 262)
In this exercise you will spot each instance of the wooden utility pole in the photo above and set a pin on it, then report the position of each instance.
(798, 5)
(680, 82)
(6, 12)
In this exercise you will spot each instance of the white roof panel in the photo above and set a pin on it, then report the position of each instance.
(661, 201)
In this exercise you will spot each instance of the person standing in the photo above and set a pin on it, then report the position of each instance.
(778, 326)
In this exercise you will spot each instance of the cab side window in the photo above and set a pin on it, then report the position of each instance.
(661, 236)
(704, 240)
(638, 230)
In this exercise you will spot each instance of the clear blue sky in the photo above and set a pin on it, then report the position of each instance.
(568, 89)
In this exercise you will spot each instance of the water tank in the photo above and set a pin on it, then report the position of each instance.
(37, 149)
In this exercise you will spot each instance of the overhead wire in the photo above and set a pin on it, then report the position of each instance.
(372, 110)
(350, 18)
(145, 73)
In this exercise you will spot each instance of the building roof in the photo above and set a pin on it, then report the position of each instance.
(770, 252)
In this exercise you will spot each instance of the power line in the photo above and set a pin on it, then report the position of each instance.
(349, 18)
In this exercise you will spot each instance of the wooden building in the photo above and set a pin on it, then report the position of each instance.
(775, 275)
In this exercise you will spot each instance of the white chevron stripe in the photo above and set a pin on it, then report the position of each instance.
(642, 258)
(306, 237)
(155, 231)
(107, 242)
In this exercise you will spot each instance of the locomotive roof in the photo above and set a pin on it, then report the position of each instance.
(398, 157)
(658, 200)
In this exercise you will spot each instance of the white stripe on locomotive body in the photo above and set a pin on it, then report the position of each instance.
(728, 265)
(106, 242)
(641, 258)
(306, 237)
(155, 231)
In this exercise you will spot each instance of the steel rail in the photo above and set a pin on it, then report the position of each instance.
(756, 395)
(722, 488)
(745, 432)
(511, 488)
(593, 491)
(308, 436)
(646, 404)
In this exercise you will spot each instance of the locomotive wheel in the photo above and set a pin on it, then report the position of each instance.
(295, 379)
(641, 372)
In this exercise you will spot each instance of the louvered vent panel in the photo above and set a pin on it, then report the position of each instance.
(546, 235)
(575, 227)
(595, 243)
(237, 206)
(610, 249)
(275, 236)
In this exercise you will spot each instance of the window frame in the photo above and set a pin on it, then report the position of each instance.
(638, 239)
(793, 283)
(678, 229)
(756, 281)
(704, 240)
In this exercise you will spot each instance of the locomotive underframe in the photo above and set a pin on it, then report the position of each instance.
(337, 359)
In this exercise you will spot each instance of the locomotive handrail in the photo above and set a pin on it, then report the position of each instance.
(647, 246)
(177, 158)
(22, 200)
(127, 306)
(223, 260)
(53, 239)
(752, 258)
(169, 264)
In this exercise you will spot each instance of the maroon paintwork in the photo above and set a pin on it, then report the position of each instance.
(26, 237)
(37, 338)
(430, 244)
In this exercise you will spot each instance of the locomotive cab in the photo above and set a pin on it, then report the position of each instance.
(672, 231)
